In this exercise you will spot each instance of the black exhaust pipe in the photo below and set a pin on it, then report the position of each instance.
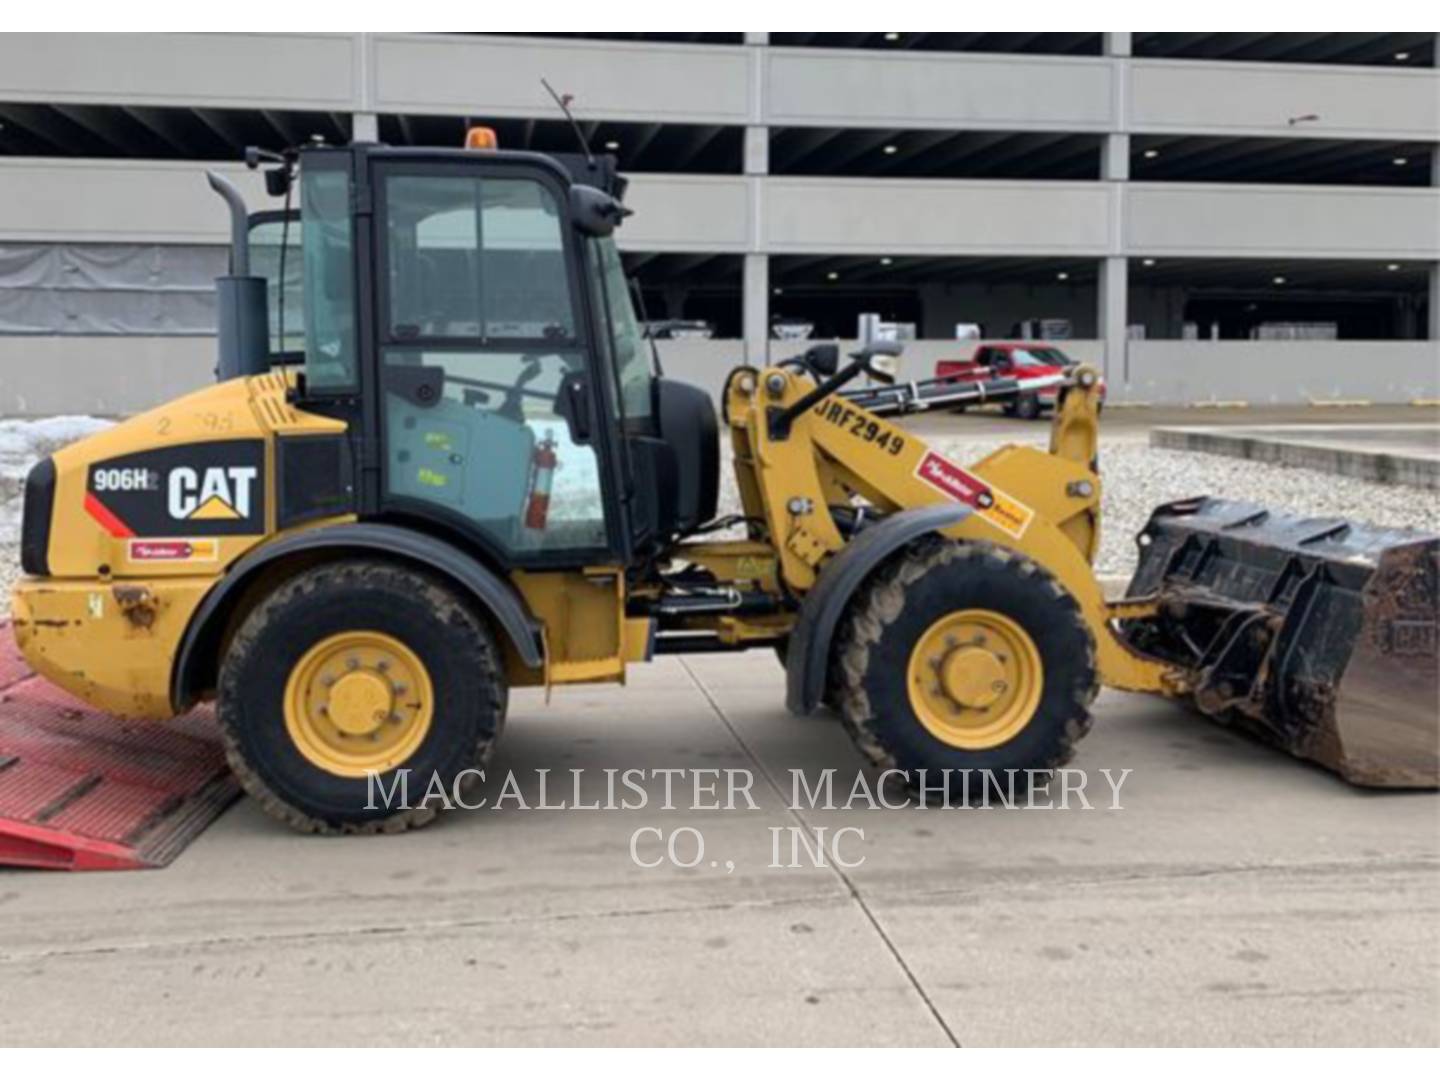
(243, 327)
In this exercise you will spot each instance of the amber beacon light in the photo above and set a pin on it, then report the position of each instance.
(481, 138)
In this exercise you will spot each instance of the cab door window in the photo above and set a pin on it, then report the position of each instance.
(626, 351)
(478, 332)
(331, 359)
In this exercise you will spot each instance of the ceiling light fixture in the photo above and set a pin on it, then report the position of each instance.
(833, 276)
(1400, 161)
(1392, 266)
(1402, 56)
(896, 37)
(891, 148)
(1063, 276)
(886, 260)
(1278, 279)
(1149, 262)
(779, 292)
(1152, 154)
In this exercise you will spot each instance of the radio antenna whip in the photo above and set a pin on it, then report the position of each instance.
(563, 100)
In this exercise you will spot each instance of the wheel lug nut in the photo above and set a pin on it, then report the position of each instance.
(383, 665)
(400, 688)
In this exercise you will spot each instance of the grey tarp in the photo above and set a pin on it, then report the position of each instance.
(148, 289)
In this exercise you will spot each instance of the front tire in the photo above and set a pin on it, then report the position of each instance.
(966, 656)
(1028, 407)
(347, 674)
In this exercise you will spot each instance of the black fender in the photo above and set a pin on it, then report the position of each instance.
(808, 654)
(496, 595)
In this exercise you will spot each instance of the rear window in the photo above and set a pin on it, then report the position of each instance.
(1040, 358)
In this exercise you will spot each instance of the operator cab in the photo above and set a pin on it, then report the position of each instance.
(467, 313)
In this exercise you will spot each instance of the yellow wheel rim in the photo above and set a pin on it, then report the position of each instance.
(975, 679)
(358, 702)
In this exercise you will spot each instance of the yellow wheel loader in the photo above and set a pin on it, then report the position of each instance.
(440, 464)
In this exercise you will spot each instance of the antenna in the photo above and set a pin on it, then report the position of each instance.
(563, 100)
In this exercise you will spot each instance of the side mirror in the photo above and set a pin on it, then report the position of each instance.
(594, 212)
(277, 181)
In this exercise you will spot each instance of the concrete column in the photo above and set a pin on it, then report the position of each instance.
(757, 150)
(1112, 296)
(365, 127)
(756, 304)
(1435, 302)
(1115, 157)
(1114, 317)
(755, 298)
(1434, 292)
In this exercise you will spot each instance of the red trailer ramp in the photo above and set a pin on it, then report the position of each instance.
(80, 790)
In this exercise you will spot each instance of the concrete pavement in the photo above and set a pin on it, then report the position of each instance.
(1238, 897)
(1384, 453)
(1135, 422)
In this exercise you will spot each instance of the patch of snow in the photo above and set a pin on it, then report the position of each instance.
(22, 444)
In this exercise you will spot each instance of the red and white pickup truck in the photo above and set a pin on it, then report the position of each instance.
(1014, 359)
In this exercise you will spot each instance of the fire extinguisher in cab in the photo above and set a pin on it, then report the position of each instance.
(542, 476)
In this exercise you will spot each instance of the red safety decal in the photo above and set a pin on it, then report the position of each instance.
(999, 509)
(954, 481)
(101, 513)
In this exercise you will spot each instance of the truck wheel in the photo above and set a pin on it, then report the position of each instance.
(1028, 407)
(343, 677)
(966, 656)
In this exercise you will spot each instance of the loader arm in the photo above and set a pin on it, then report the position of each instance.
(835, 453)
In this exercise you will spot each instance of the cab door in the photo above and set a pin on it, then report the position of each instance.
(481, 331)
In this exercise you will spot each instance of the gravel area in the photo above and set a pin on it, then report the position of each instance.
(1136, 479)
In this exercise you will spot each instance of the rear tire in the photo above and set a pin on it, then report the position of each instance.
(354, 668)
(900, 631)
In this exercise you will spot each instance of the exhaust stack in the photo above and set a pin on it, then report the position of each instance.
(243, 327)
